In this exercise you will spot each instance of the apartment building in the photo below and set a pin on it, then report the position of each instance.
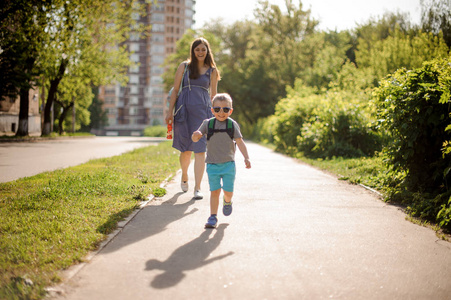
(141, 102)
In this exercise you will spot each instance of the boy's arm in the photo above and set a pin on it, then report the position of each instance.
(243, 149)
(197, 135)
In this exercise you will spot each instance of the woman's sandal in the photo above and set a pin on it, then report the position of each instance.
(184, 186)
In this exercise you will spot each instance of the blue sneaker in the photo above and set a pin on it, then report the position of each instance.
(227, 208)
(212, 222)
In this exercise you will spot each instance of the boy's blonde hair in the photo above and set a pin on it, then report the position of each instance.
(223, 97)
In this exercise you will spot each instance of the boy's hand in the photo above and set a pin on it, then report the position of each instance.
(247, 162)
(197, 135)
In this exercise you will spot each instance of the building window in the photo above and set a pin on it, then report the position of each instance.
(156, 49)
(134, 47)
(158, 59)
(133, 111)
(157, 17)
(158, 28)
(134, 57)
(134, 36)
(156, 80)
(134, 79)
(134, 69)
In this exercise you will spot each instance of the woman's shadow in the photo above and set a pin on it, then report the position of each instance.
(190, 256)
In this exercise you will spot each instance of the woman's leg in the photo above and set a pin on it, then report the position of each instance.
(199, 168)
(185, 159)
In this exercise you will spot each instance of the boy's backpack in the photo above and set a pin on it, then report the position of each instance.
(211, 128)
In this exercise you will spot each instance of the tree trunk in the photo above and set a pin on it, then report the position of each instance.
(63, 115)
(51, 97)
(73, 117)
(22, 130)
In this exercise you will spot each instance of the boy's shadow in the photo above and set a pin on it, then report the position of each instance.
(190, 256)
(152, 220)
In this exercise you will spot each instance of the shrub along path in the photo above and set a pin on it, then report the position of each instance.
(295, 233)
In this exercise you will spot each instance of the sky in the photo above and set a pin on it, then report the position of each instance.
(332, 14)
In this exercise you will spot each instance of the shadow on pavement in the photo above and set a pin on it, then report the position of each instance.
(190, 256)
(152, 220)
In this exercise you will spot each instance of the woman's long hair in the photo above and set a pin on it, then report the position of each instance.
(193, 62)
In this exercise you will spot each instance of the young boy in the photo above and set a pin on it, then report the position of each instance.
(222, 134)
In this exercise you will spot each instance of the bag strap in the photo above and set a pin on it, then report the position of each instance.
(181, 82)
(211, 128)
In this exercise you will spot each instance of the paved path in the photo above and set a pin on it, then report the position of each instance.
(22, 159)
(295, 233)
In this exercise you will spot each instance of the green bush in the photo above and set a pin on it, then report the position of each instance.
(324, 125)
(264, 130)
(413, 107)
(156, 131)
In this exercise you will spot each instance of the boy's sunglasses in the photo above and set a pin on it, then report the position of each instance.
(224, 109)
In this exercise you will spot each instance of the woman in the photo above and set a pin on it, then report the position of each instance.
(200, 83)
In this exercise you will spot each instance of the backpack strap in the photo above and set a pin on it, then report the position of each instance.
(230, 129)
(211, 128)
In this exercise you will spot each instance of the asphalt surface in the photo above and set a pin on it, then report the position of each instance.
(295, 233)
(23, 159)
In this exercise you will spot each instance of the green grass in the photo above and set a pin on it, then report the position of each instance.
(156, 131)
(52, 220)
(369, 171)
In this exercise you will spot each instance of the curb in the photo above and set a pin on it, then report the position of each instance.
(371, 190)
(41, 139)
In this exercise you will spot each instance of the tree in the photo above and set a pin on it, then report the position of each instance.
(391, 42)
(329, 52)
(281, 39)
(259, 59)
(97, 115)
(401, 50)
(436, 18)
(73, 93)
(85, 42)
(22, 32)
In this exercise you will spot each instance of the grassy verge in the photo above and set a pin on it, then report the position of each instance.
(52, 220)
(368, 171)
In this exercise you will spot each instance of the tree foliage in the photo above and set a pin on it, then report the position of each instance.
(400, 50)
(413, 107)
(48, 40)
(22, 34)
(260, 58)
(85, 42)
(436, 18)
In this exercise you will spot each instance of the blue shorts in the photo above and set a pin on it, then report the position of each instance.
(226, 172)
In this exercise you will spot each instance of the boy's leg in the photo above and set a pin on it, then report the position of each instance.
(214, 201)
(228, 196)
(228, 181)
(214, 180)
(212, 221)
